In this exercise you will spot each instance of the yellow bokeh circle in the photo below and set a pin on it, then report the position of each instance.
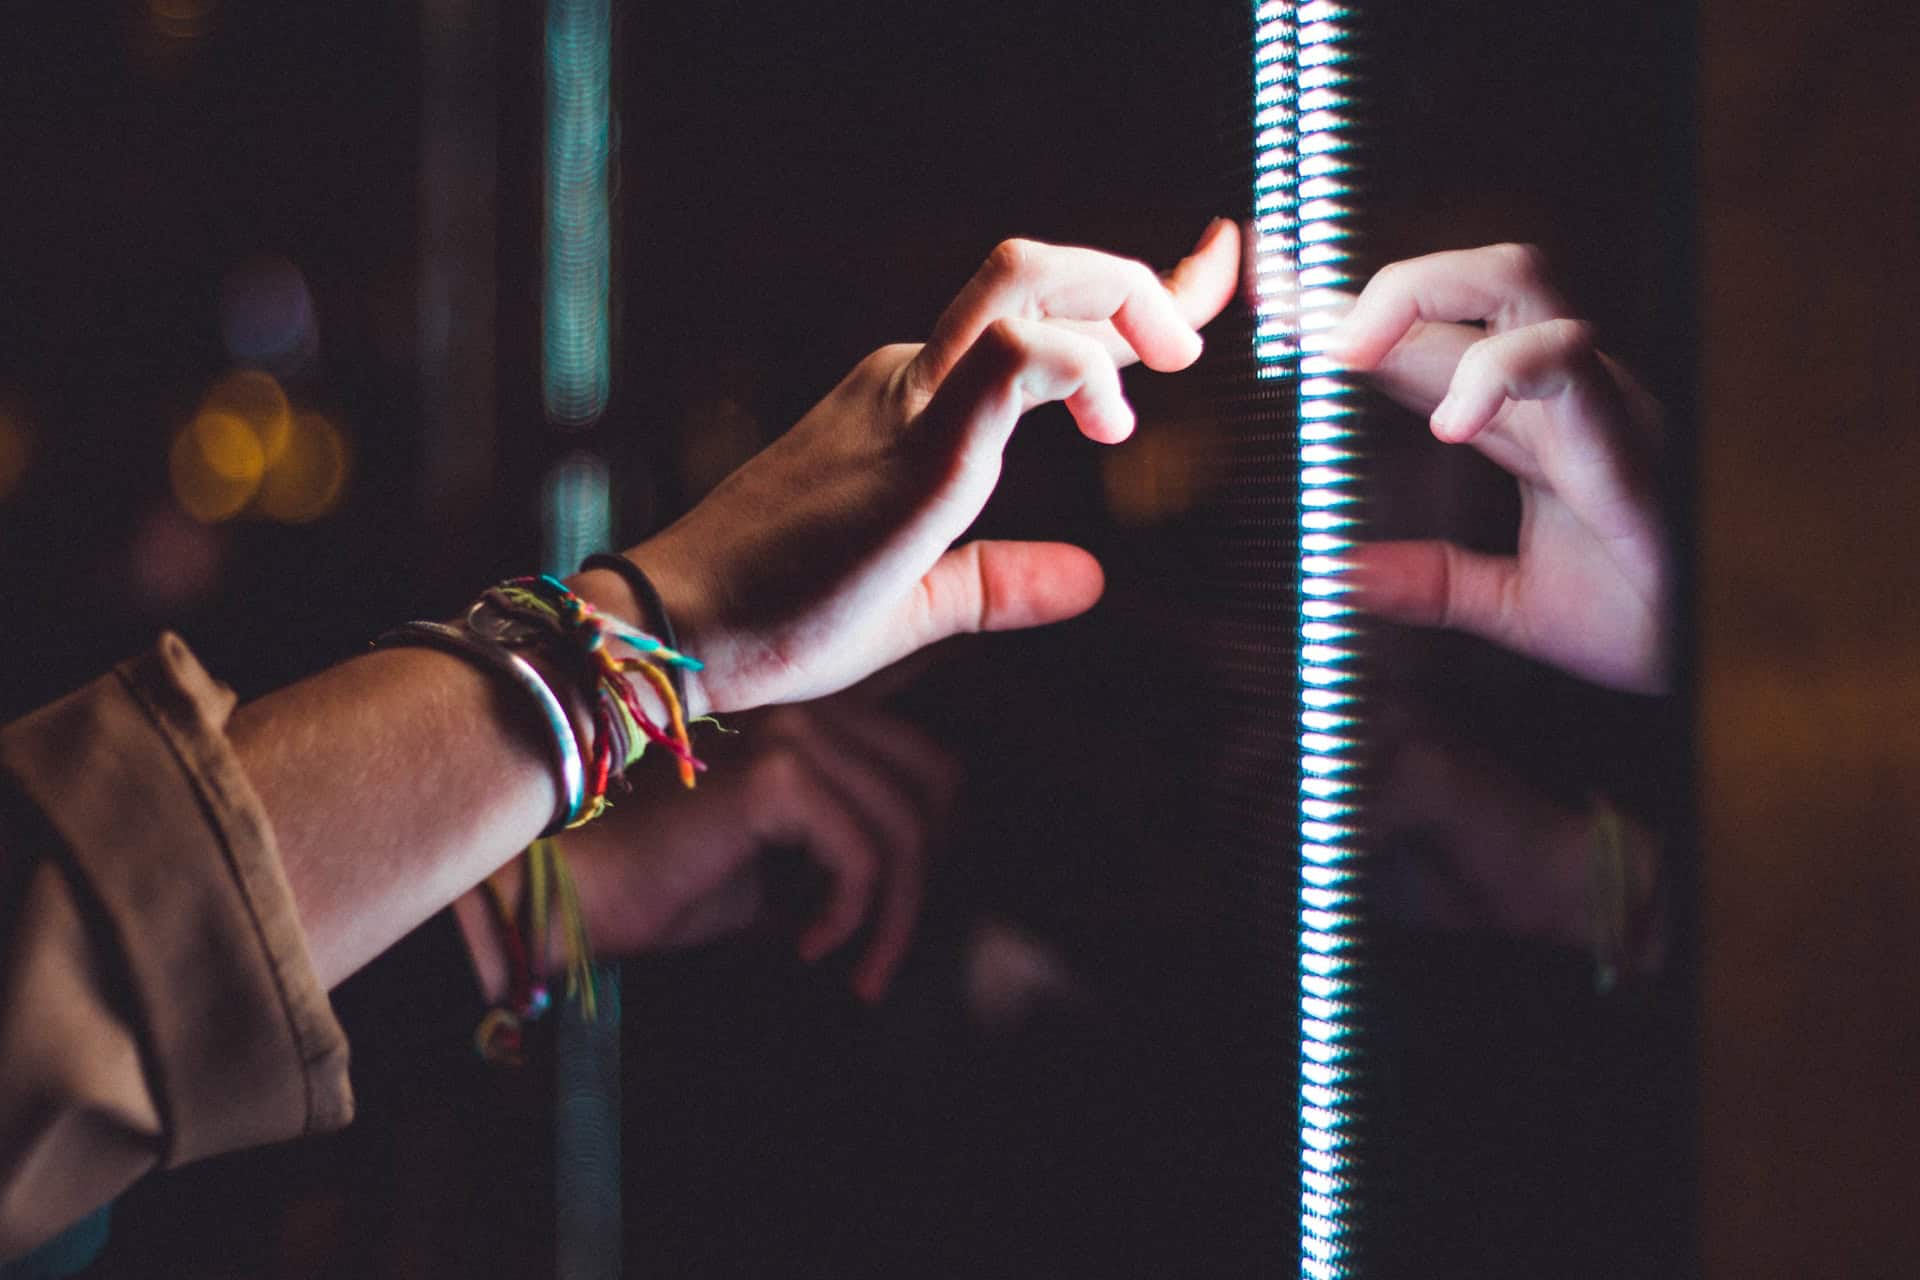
(215, 464)
(306, 481)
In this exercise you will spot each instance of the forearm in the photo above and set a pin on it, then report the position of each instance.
(396, 782)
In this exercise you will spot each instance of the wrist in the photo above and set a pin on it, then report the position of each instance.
(684, 602)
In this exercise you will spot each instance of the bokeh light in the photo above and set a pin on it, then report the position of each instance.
(173, 561)
(309, 477)
(256, 398)
(577, 339)
(248, 450)
(16, 448)
(267, 315)
(1158, 474)
(576, 502)
(216, 465)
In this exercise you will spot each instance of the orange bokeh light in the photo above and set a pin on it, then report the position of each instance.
(256, 398)
(216, 464)
(309, 477)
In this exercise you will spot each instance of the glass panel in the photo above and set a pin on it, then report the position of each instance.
(1114, 1048)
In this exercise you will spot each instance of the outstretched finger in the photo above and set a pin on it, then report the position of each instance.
(1029, 280)
(1503, 286)
(1201, 284)
(1014, 365)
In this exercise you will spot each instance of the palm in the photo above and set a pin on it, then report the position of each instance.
(831, 555)
(1587, 587)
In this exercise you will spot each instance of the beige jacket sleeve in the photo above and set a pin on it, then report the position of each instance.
(156, 1000)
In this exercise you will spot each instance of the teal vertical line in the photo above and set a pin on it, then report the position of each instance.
(577, 509)
(576, 382)
(577, 505)
(1301, 207)
(576, 338)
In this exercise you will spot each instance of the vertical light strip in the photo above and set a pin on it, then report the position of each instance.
(1302, 176)
(576, 383)
(576, 504)
(576, 338)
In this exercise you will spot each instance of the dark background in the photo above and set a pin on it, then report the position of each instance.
(799, 184)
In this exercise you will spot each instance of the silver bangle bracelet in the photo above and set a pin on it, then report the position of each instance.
(498, 658)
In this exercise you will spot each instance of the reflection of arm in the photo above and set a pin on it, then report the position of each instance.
(156, 1004)
(1500, 853)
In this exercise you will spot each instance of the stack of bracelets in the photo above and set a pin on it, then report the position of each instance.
(576, 640)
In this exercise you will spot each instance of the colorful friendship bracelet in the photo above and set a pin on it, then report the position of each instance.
(520, 607)
(649, 597)
(522, 613)
(553, 714)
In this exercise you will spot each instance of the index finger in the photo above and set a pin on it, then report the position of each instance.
(1506, 286)
(1028, 280)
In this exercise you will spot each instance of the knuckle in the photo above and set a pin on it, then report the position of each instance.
(1577, 339)
(882, 364)
(1010, 258)
(1523, 264)
(1390, 278)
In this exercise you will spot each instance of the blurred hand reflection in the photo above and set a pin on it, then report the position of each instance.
(1483, 342)
(860, 793)
(1481, 847)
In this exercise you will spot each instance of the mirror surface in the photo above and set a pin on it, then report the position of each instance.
(1090, 1062)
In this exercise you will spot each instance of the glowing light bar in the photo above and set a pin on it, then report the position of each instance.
(576, 501)
(576, 320)
(1303, 204)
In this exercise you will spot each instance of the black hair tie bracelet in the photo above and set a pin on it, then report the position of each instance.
(657, 622)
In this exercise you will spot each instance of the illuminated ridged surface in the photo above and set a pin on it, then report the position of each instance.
(576, 318)
(1301, 211)
(576, 382)
(577, 503)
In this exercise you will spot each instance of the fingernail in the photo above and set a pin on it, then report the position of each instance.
(1445, 415)
(1208, 236)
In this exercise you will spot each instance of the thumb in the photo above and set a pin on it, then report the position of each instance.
(1436, 584)
(1001, 586)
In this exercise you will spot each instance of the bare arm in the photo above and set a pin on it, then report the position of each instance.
(399, 780)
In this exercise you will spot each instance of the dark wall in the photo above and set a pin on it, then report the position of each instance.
(1810, 691)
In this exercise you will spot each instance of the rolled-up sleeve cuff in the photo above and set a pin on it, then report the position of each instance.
(136, 775)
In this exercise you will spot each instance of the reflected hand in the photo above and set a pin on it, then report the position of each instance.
(830, 555)
(1496, 852)
(862, 794)
(1589, 587)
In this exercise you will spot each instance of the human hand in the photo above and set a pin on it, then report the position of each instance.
(1474, 845)
(830, 555)
(1589, 587)
(860, 793)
